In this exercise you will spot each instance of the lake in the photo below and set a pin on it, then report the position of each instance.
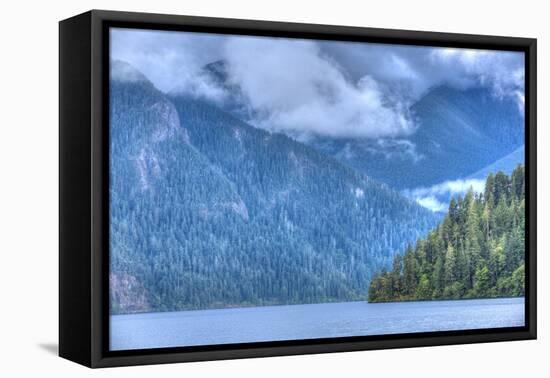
(309, 321)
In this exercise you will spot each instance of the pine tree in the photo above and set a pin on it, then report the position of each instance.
(450, 268)
(478, 250)
(410, 272)
(396, 276)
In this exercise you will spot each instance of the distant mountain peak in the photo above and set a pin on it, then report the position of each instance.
(125, 72)
(218, 69)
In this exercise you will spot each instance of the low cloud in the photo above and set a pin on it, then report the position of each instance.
(503, 72)
(172, 61)
(432, 203)
(308, 88)
(122, 71)
(436, 197)
(413, 70)
(291, 86)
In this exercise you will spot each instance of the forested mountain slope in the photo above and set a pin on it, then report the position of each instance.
(208, 211)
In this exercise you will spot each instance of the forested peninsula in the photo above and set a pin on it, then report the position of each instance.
(478, 250)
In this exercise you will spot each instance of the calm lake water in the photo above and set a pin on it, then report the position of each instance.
(310, 321)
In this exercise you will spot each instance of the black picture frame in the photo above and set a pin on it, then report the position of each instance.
(83, 193)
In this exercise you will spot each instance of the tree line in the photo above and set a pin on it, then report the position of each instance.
(478, 251)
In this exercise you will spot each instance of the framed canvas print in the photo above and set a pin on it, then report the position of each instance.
(233, 188)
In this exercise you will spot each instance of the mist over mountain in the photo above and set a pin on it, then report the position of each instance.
(208, 211)
(458, 132)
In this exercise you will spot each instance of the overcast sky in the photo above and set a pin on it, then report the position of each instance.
(327, 88)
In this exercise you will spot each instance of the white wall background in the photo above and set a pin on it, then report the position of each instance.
(29, 189)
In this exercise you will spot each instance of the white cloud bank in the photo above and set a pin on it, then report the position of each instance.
(307, 88)
(294, 88)
(413, 70)
(435, 198)
(504, 73)
(432, 203)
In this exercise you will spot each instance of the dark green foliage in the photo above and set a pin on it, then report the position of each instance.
(477, 251)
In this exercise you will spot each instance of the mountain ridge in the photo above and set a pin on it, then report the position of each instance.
(449, 122)
(232, 215)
